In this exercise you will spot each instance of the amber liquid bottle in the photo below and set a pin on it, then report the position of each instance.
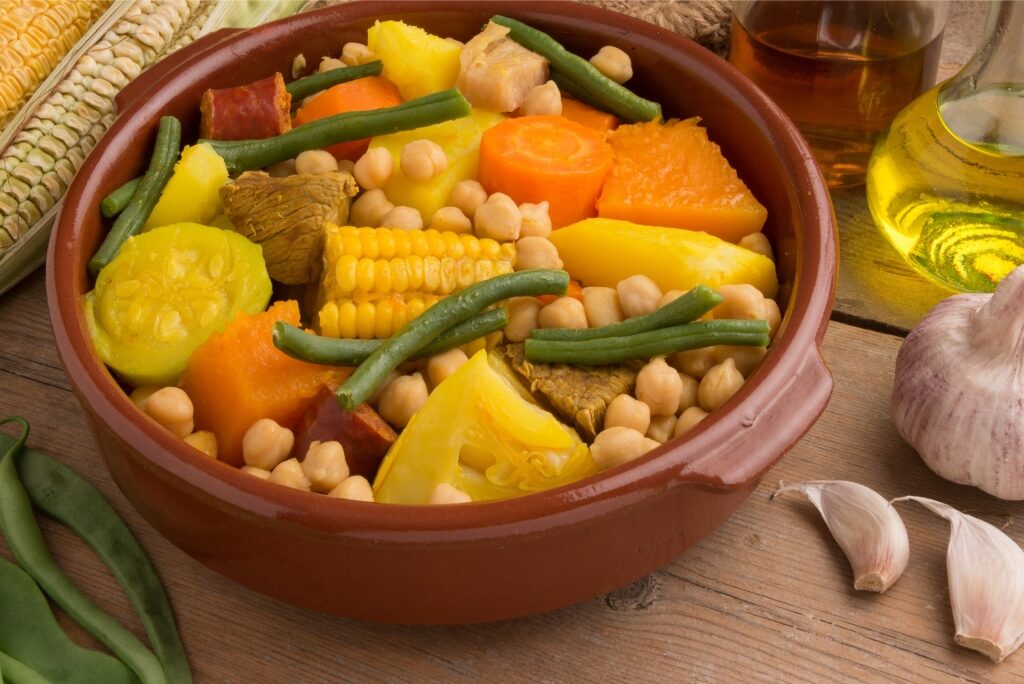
(840, 70)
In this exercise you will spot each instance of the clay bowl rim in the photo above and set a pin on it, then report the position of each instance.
(708, 457)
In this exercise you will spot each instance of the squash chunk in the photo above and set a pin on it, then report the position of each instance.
(192, 195)
(419, 63)
(690, 185)
(238, 377)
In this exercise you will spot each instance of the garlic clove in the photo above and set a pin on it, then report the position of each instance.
(866, 526)
(986, 582)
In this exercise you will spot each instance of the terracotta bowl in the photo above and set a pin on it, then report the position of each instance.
(480, 562)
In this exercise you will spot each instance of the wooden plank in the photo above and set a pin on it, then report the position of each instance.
(767, 597)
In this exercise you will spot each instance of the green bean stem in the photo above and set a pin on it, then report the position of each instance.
(65, 496)
(314, 83)
(26, 543)
(684, 309)
(609, 350)
(244, 155)
(337, 352)
(134, 216)
(16, 672)
(114, 203)
(600, 90)
(448, 312)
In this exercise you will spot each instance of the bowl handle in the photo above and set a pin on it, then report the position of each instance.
(747, 454)
(135, 90)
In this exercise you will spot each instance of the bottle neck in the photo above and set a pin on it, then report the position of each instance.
(999, 61)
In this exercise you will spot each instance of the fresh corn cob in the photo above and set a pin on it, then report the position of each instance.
(375, 280)
(34, 36)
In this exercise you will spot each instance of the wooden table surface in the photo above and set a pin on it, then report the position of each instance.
(767, 597)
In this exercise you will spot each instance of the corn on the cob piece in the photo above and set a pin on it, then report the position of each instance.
(375, 280)
(34, 36)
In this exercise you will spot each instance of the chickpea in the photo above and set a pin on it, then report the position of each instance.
(440, 366)
(542, 100)
(745, 358)
(661, 428)
(467, 195)
(347, 166)
(689, 396)
(405, 218)
(617, 445)
(265, 444)
(743, 302)
(498, 218)
(669, 297)
(659, 386)
(720, 383)
(172, 409)
(757, 242)
(256, 472)
(602, 306)
(282, 169)
(638, 295)
(290, 474)
(445, 493)
(523, 313)
(329, 64)
(536, 252)
(203, 440)
(564, 312)
(536, 220)
(688, 419)
(625, 411)
(369, 208)
(451, 219)
(374, 168)
(315, 161)
(613, 63)
(421, 160)
(695, 362)
(651, 444)
(354, 54)
(140, 394)
(402, 399)
(354, 488)
(325, 466)
(773, 316)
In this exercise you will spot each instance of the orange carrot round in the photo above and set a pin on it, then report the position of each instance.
(537, 158)
(372, 92)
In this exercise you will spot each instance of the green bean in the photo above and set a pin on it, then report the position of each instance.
(568, 86)
(31, 634)
(114, 203)
(15, 672)
(243, 155)
(135, 215)
(314, 83)
(644, 345)
(600, 90)
(26, 543)
(447, 313)
(62, 494)
(335, 352)
(684, 309)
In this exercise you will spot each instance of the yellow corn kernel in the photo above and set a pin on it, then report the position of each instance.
(346, 319)
(365, 312)
(384, 321)
(327, 319)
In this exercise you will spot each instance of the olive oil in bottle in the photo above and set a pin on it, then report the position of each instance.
(945, 183)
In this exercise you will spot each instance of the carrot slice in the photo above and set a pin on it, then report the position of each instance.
(537, 158)
(372, 92)
(588, 116)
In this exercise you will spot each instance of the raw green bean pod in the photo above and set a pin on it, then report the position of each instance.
(245, 155)
(31, 635)
(65, 496)
(448, 312)
(134, 216)
(314, 83)
(114, 203)
(684, 309)
(331, 351)
(26, 543)
(15, 672)
(609, 350)
(598, 88)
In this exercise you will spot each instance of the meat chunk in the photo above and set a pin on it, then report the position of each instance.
(496, 72)
(248, 112)
(287, 216)
(362, 433)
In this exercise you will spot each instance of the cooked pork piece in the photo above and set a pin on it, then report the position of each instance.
(496, 72)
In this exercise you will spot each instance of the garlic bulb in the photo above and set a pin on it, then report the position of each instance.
(986, 582)
(958, 394)
(866, 527)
